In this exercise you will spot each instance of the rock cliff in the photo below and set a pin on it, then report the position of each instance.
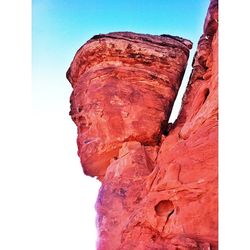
(124, 87)
(159, 180)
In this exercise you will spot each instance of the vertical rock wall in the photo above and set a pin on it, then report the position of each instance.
(159, 181)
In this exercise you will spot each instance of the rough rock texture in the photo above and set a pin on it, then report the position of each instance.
(159, 181)
(124, 88)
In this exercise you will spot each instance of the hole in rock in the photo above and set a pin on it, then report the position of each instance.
(206, 94)
(165, 128)
(164, 208)
(154, 237)
(79, 109)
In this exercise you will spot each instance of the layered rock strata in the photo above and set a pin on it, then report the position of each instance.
(124, 87)
(159, 181)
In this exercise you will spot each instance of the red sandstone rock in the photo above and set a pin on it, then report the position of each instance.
(156, 193)
(124, 88)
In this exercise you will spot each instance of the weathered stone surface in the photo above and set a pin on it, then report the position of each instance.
(159, 187)
(124, 88)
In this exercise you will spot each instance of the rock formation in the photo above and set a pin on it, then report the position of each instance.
(124, 88)
(159, 180)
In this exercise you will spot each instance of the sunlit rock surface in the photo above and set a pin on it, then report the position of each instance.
(124, 86)
(159, 181)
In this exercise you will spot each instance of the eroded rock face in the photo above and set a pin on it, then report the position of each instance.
(159, 187)
(124, 88)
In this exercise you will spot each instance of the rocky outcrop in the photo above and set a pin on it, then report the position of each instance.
(124, 86)
(159, 181)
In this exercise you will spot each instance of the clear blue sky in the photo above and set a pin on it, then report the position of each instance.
(66, 199)
(60, 27)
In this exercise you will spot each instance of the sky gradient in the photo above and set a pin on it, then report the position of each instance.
(59, 28)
